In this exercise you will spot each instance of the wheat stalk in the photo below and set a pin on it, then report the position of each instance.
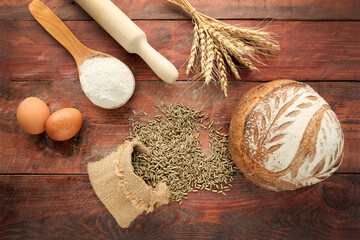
(218, 42)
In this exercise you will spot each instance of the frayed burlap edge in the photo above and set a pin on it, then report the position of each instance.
(141, 195)
(122, 192)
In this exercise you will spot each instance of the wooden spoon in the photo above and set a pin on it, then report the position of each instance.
(65, 37)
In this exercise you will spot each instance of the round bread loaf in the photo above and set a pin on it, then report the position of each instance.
(284, 136)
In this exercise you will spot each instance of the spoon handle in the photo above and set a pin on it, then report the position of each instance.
(58, 30)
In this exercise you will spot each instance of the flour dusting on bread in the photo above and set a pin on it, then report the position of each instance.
(292, 135)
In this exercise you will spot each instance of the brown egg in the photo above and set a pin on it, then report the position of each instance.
(64, 124)
(32, 114)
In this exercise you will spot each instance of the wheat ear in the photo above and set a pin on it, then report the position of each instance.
(194, 50)
(202, 48)
(210, 56)
(229, 62)
(221, 70)
(215, 41)
(253, 36)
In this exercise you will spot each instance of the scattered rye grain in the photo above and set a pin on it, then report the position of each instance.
(176, 154)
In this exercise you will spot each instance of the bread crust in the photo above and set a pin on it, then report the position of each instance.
(258, 172)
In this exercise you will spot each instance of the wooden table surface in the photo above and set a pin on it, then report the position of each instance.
(44, 187)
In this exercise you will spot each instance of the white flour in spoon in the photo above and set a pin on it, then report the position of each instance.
(107, 82)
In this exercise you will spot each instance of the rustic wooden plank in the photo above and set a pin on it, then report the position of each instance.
(105, 129)
(224, 9)
(53, 207)
(310, 50)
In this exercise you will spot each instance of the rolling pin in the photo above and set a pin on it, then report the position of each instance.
(129, 36)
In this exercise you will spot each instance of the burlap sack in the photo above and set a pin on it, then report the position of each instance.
(122, 192)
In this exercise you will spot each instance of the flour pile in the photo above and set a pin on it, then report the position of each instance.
(107, 82)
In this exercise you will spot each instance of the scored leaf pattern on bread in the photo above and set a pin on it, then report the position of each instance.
(267, 128)
(273, 148)
(284, 126)
(293, 113)
(267, 134)
(329, 163)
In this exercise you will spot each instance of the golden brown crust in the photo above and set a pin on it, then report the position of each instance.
(254, 171)
(236, 137)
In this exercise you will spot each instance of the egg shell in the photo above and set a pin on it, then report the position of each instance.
(64, 124)
(32, 114)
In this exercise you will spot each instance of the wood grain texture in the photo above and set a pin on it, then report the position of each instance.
(310, 50)
(104, 129)
(57, 206)
(56, 28)
(224, 9)
(65, 207)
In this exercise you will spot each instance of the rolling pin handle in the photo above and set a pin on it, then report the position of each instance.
(164, 69)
